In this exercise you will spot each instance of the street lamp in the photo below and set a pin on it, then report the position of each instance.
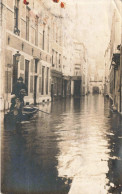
(113, 63)
(17, 55)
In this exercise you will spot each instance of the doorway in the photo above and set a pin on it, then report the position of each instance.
(77, 88)
(65, 88)
(95, 90)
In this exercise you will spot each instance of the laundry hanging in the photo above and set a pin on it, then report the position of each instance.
(25, 2)
(56, 1)
(62, 4)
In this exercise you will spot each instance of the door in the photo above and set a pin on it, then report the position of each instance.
(65, 88)
(77, 88)
(15, 70)
(35, 89)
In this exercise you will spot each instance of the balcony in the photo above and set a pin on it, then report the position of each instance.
(116, 60)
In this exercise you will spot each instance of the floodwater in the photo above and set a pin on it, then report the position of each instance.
(76, 149)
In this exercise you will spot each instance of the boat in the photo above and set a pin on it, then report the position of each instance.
(27, 113)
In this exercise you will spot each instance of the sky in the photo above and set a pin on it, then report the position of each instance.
(91, 21)
(91, 24)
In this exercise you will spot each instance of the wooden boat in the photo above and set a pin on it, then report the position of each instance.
(27, 113)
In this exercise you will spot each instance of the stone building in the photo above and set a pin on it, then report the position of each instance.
(113, 74)
(33, 47)
(26, 51)
(80, 78)
(37, 44)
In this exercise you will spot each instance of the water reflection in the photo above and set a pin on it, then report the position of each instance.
(76, 149)
(83, 147)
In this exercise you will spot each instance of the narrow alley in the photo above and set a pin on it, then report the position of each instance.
(76, 149)
(61, 96)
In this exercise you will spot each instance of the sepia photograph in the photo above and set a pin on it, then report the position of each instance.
(61, 96)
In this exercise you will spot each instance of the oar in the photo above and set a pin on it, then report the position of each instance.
(43, 111)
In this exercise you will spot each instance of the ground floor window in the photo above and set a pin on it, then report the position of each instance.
(26, 73)
(15, 70)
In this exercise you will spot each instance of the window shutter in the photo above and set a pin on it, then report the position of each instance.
(22, 63)
(7, 81)
(40, 84)
(31, 84)
(32, 66)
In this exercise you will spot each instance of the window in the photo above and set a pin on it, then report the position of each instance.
(53, 31)
(47, 80)
(48, 40)
(53, 58)
(43, 80)
(56, 58)
(57, 35)
(15, 70)
(36, 65)
(59, 59)
(26, 73)
(27, 23)
(43, 40)
(36, 32)
(16, 17)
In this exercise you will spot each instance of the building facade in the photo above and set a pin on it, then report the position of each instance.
(37, 45)
(80, 78)
(113, 62)
(26, 51)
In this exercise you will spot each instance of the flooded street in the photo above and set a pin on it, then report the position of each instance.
(76, 149)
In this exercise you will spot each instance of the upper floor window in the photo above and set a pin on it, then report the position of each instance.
(43, 40)
(48, 40)
(56, 58)
(57, 35)
(53, 31)
(36, 31)
(36, 65)
(53, 58)
(59, 60)
(16, 17)
(27, 23)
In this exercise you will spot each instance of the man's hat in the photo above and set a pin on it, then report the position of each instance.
(20, 78)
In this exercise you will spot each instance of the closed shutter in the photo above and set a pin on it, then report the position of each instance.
(8, 57)
(40, 68)
(7, 82)
(32, 65)
(31, 84)
(22, 63)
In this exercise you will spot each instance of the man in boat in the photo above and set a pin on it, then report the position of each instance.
(19, 91)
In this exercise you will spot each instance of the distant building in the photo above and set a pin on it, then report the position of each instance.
(80, 77)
